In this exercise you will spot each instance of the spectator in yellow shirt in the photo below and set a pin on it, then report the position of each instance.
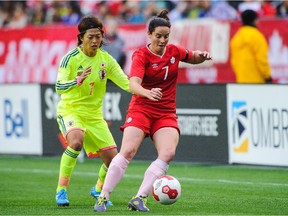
(249, 52)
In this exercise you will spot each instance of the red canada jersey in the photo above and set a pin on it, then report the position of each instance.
(158, 72)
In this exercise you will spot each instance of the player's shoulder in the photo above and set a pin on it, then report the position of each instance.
(175, 50)
(141, 52)
(172, 47)
(69, 56)
(104, 54)
(72, 53)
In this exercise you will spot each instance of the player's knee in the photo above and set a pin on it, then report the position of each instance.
(128, 153)
(167, 155)
(76, 145)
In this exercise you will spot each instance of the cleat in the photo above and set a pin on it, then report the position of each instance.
(138, 204)
(100, 205)
(96, 195)
(62, 198)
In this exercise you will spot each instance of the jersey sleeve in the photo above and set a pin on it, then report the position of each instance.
(117, 75)
(63, 84)
(138, 65)
(184, 53)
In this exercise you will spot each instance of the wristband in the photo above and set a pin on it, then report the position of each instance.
(78, 81)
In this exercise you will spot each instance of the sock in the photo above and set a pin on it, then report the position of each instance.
(115, 173)
(156, 169)
(67, 164)
(101, 177)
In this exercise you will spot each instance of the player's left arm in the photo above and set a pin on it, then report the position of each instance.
(117, 75)
(193, 57)
(199, 57)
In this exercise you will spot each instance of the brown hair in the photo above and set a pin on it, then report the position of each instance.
(161, 19)
(88, 22)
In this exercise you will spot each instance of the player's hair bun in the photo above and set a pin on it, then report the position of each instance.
(163, 14)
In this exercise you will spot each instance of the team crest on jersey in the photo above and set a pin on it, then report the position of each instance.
(80, 70)
(102, 74)
(172, 60)
(155, 65)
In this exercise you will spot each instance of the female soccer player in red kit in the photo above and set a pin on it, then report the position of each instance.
(152, 110)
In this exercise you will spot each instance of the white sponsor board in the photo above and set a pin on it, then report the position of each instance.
(258, 124)
(20, 119)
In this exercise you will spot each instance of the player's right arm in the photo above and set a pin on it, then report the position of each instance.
(63, 84)
(153, 94)
(67, 77)
(136, 75)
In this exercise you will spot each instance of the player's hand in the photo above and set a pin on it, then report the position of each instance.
(205, 55)
(85, 74)
(155, 94)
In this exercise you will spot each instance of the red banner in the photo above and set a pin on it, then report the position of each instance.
(32, 54)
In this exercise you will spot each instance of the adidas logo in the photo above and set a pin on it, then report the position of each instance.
(80, 70)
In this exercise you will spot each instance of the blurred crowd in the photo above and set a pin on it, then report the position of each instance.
(18, 14)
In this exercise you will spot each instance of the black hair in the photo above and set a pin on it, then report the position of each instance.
(89, 22)
(248, 17)
(161, 19)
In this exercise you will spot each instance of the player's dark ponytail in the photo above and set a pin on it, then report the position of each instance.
(161, 19)
(164, 14)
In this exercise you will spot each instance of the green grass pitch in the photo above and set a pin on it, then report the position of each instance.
(28, 184)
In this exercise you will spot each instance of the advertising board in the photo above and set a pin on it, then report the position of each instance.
(258, 124)
(20, 119)
(201, 111)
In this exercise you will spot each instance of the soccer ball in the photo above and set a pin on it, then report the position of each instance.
(166, 190)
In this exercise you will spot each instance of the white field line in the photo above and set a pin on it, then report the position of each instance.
(224, 181)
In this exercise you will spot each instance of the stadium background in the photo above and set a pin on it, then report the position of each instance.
(221, 122)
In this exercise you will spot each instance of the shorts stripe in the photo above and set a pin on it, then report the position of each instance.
(61, 121)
